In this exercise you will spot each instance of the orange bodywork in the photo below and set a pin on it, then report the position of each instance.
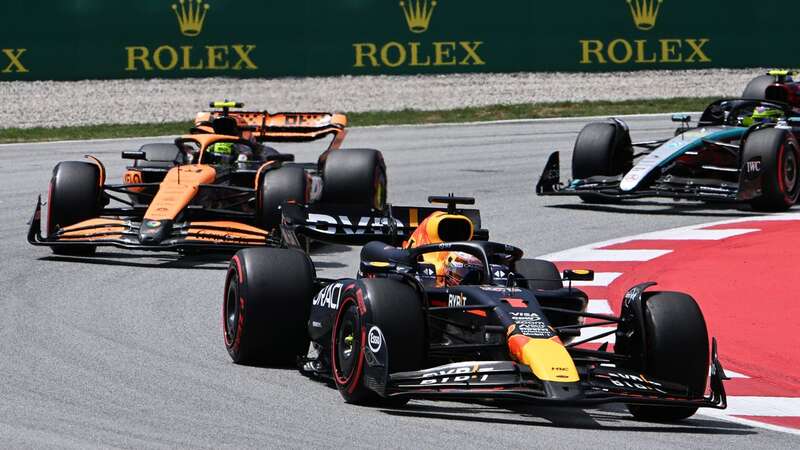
(179, 187)
(93, 229)
(263, 126)
(199, 231)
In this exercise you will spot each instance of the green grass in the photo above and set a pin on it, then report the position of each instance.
(409, 116)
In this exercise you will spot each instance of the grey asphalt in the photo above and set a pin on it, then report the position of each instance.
(125, 349)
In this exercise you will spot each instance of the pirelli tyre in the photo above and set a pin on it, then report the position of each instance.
(355, 176)
(74, 196)
(675, 349)
(602, 148)
(266, 305)
(394, 308)
(757, 87)
(278, 186)
(774, 155)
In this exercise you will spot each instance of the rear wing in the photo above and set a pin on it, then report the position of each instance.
(354, 225)
(282, 127)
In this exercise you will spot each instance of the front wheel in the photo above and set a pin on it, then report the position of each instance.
(266, 304)
(394, 308)
(602, 148)
(74, 196)
(675, 350)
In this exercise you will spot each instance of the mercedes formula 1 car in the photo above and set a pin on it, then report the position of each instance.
(219, 187)
(742, 150)
(448, 315)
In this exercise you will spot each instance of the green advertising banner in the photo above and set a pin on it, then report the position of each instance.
(79, 39)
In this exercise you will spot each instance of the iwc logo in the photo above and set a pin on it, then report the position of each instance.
(645, 51)
(418, 16)
(191, 17)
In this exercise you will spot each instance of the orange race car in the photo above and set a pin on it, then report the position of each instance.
(218, 187)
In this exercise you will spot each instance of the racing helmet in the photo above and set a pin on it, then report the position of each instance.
(463, 268)
(762, 114)
(220, 153)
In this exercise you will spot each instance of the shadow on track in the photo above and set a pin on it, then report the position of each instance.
(609, 417)
(720, 210)
(201, 261)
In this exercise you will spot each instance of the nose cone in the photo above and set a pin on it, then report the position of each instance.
(153, 232)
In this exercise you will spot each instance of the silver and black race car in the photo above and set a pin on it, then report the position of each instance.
(448, 315)
(742, 150)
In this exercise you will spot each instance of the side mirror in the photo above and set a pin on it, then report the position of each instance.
(134, 155)
(368, 267)
(681, 118)
(579, 275)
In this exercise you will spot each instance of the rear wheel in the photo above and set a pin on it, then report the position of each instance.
(757, 87)
(278, 186)
(676, 350)
(602, 148)
(777, 153)
(74, 197)
(266, 306)
(355, 176)
(395, 308)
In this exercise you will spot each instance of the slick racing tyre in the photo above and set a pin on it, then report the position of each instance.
(278, 186)
(355, 176)
(74, 197)
(757, 87)
(266, 305)
(395, 309)
(675, 350)
(538, 274)
(602, 148)
(159, 156)
(777, 155)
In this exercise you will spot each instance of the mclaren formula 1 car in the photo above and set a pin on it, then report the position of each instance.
(447, 315)
(742, 150)
(219, 187)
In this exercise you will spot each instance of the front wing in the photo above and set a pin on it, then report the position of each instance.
(608, 187)
(127, 233)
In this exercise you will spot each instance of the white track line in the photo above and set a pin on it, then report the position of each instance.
(722, 414)
(557, 256)
(588, 254)
(696, 234)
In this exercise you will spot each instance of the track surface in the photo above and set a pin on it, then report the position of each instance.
(125, 349)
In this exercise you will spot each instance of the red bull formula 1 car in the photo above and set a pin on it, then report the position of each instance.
(449, 315)
(220, 187)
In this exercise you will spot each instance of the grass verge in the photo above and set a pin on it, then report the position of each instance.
(404, 117)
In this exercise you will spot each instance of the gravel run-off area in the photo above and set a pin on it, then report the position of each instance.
(30, 104)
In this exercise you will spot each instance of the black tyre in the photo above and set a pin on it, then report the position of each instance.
(395, 308)
(602, 148)
(676, 350)
(285, 184)
(355, 176)
(757, 87)
(266, 306)
(74, 197)
(159, 156)
(779, 154)
(538, 274)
